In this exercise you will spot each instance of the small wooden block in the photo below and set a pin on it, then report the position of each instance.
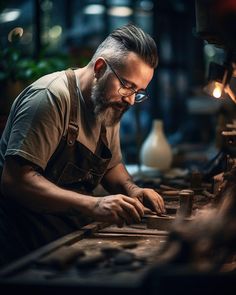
(163, 223)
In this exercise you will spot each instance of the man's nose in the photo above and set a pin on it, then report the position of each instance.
(129, 99)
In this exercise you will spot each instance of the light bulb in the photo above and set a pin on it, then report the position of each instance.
(217, 91)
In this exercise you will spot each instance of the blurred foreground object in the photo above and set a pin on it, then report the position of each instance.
(207, 244)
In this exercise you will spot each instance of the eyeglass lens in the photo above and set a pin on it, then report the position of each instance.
(139, 95)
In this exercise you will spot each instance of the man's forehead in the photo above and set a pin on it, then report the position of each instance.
(136, 71)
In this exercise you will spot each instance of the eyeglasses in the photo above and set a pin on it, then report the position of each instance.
(140, 95)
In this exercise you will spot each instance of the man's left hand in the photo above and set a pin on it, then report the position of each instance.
(150, 199)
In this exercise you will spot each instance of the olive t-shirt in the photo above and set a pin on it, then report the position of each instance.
(39, 118)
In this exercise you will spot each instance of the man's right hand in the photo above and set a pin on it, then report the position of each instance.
(118, 209)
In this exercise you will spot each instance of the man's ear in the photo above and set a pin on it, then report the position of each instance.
(99, 67)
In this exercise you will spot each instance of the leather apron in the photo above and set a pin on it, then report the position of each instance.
(72, 166)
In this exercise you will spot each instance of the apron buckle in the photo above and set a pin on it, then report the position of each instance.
(72, 133)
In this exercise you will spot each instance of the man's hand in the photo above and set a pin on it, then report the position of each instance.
(150, 199)
(117, 180)
(118, 209)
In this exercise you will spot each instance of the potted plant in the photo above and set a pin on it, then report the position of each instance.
(17, 70)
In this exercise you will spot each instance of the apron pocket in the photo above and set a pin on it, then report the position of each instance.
(71, 174)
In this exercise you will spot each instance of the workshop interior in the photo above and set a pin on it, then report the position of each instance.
(181, 142)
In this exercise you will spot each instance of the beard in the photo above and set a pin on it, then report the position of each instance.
(105, 112)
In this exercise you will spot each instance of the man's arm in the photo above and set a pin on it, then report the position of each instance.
(118, 180)
(23, 183)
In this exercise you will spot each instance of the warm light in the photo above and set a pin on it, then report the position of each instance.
(219, 77)
(217, 91)
(121, 11)
(55, 32)
(9, 15)
(15, 33)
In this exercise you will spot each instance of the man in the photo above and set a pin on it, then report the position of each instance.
(62, 139)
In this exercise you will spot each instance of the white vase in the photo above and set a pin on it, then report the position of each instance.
(156, 151)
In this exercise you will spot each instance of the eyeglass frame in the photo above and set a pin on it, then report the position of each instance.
(145, 94)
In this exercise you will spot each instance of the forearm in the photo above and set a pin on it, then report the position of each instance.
(118, 180)
(22, 183)
(28, 187)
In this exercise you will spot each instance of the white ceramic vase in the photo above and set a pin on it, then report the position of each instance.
(156, 151)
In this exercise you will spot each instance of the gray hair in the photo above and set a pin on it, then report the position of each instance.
(125, 39)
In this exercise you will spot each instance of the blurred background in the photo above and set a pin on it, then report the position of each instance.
(61, 33)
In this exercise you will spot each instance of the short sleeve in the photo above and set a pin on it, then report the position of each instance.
(37, 127)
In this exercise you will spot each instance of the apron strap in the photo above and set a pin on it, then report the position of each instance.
(104, 135)
(102, 140)
(73, 128)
